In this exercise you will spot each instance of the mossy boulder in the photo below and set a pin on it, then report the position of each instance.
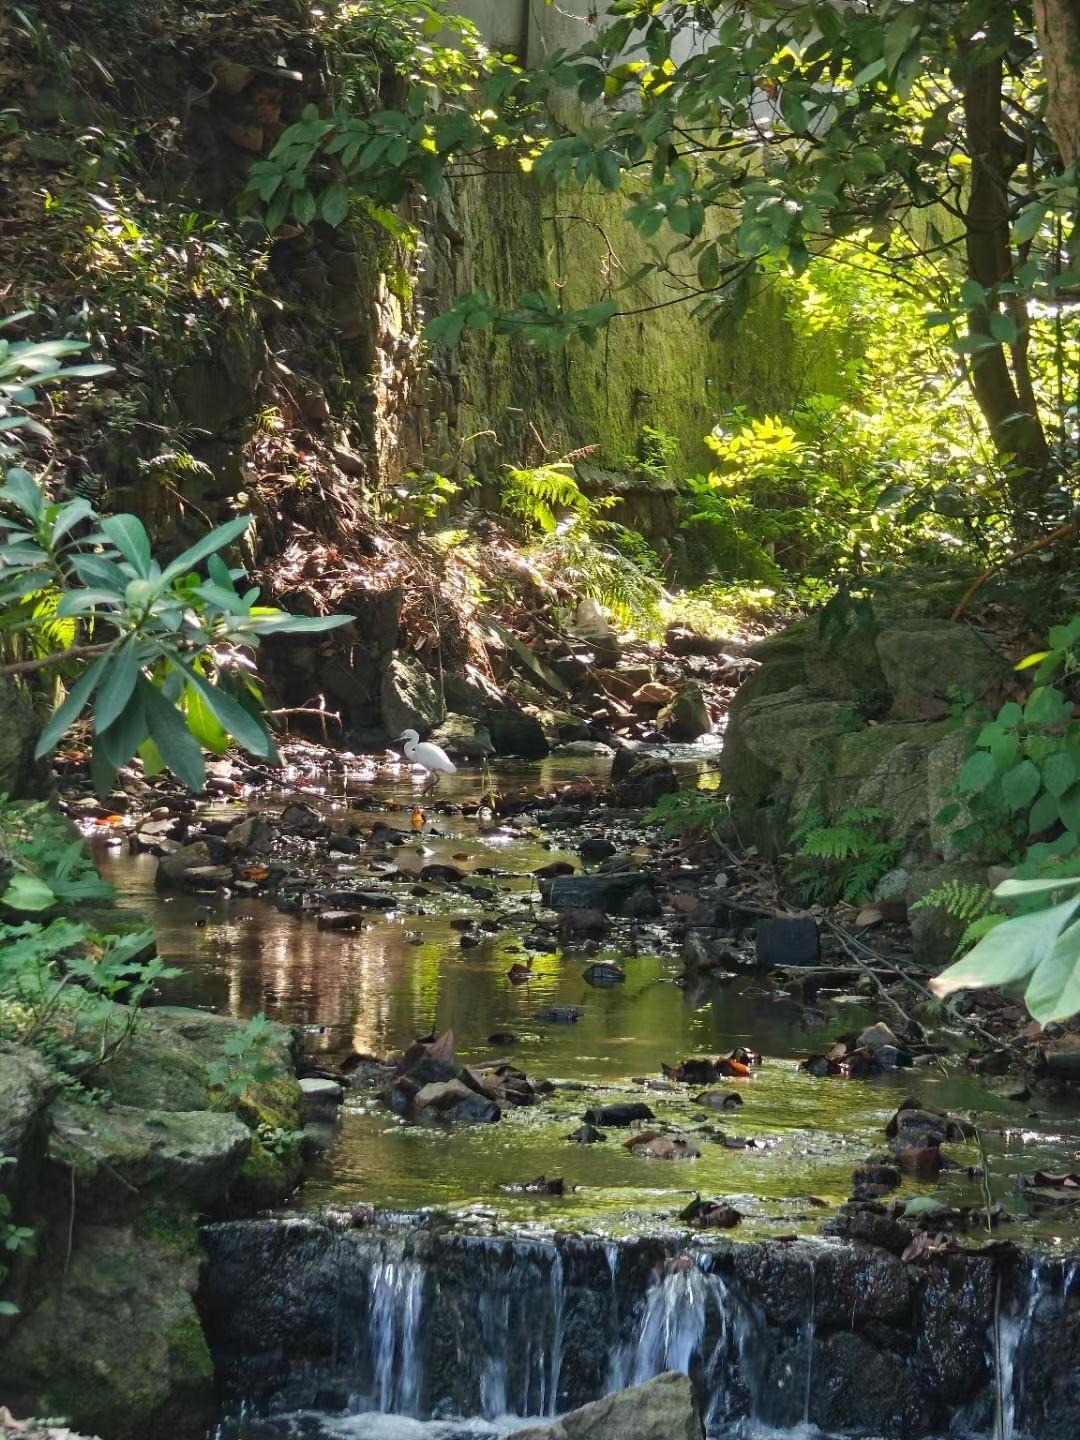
(21, 776)
(463, 738)
(924, 662)
(121, 1157)
(858, 721)
(410, 698)
(114, 1343)
(687, 717)
(163, 1066)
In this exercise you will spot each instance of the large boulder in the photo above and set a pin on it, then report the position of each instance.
(922, 661)
(26, 1088)
(463, 738)
(120, 1156)
(854, 724)
(112, 1341)
(661, 1409)
(410, 698)
(605, 893)
(513, 732)
(687, 716)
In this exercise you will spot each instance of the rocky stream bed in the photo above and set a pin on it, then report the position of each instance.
(581, 1107)
(515, 1222)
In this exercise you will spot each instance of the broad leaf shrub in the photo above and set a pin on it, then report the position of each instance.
(1020, 789)
(160, 658)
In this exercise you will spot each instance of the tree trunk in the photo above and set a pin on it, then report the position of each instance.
(1004, 391)
(1058, 22)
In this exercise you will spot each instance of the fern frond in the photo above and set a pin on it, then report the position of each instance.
(960, 899)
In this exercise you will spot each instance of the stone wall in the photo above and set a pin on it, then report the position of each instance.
(860, 719)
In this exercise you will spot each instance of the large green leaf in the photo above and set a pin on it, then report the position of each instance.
(1021, 784)
(76, 702)
(216, 540)
(27, 892)
(978, 772)
(118, 686)
(168, 729)
(1010, 952)
(1059, 771)
(128, 534)
(203, 723)
(237, 721)
(1054, 990)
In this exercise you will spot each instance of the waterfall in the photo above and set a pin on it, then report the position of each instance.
(395, 1309)
(673, 1325)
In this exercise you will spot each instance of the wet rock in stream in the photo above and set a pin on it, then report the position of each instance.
(845, 1335)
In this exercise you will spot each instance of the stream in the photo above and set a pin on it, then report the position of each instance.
(783, 1159)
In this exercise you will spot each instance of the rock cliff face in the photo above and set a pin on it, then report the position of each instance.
(860, 720)
(107, 1334)
(287, 375)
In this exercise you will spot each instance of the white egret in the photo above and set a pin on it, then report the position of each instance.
(432, 757)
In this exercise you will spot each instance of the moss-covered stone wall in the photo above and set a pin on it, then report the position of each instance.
(657, 364)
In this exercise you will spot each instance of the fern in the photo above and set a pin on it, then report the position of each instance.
(534, 496)
(967, 902)
(843, 860)
(689, 812)
(959, 899)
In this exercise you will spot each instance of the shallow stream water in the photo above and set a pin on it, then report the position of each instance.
(404, 974)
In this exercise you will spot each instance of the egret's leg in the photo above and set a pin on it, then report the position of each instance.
(430, 783)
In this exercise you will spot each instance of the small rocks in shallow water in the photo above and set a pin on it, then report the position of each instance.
(556, 867)
(788, 941)
(587, 1135)
(877, 1036)
(604, 974)
(642, 905)
(518, 973)
(540, 1186)
(321, 1097)
(628, 1113)
(340, 920)
(470, 942)
(661, 1147)
(502, 1037)
(719, 1099)
(710, 1215)
(560, 1015)
(582, 925)
(595, 848)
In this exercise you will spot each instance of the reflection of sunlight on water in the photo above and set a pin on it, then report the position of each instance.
(374, 990)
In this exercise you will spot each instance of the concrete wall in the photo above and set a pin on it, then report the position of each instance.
(537, 28)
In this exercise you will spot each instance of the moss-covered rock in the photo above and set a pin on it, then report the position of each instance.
(120, 1157)
(411, 700)
(163, 1066)
(114, 1342)
(20, 774)
(925, 661)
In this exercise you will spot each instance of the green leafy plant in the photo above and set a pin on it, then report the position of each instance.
(697, 814)
(245, 1061)
(48, 868)
(973, 905)
(1017, 797)
(542, 495)
(843, 859)
(160, 652)
(60, 984)
(281, 1143)
(14, 1240)
(1039, 945)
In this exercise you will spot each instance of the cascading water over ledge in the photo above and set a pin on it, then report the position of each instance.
(306, 1314)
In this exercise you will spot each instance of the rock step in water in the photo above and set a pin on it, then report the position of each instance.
(310, 1313)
